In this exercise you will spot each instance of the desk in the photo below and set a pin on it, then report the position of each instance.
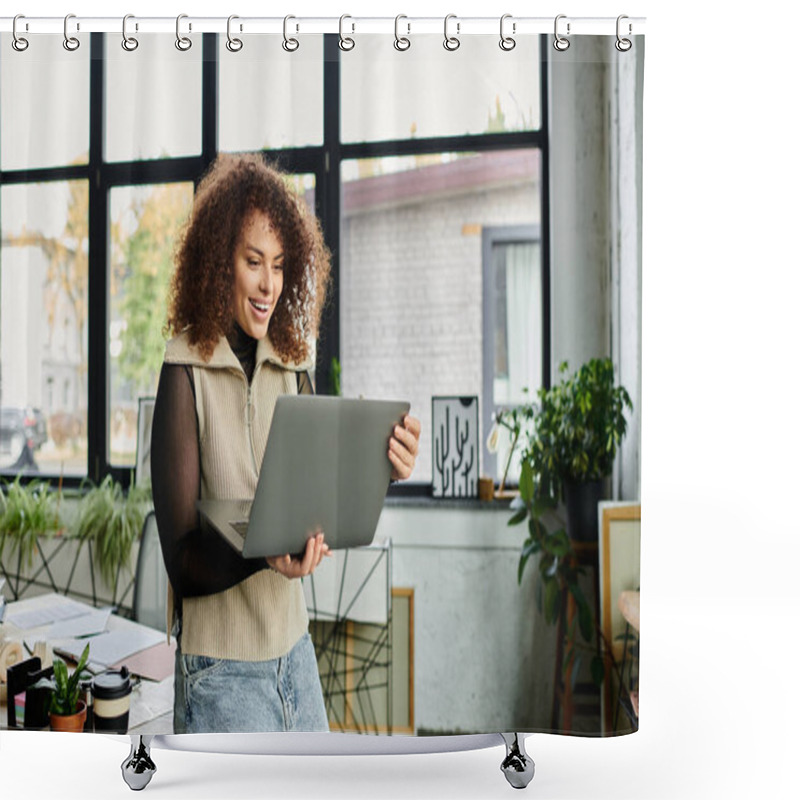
(151, 701)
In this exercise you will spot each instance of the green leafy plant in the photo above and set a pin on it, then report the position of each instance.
(26, 513)
(64, 688)
(112, 521)
(336, 377)
(575, 432)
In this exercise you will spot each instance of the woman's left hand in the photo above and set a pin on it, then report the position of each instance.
(403, 447)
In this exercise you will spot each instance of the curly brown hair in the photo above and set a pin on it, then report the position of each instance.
(202, 286)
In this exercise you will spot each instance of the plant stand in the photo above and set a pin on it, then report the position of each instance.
(138, 768)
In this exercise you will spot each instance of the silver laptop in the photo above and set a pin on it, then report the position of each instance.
(325, 468)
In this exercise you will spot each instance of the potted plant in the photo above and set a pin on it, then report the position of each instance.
(111, 521)
(26, 512)
(67, 711)
(575, 432)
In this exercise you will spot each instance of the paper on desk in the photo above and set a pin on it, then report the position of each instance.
(85, 625)
(59, 609)
(109, 648)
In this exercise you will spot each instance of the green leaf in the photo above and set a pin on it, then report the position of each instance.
(558, 543)
(526, 482)
(523, 560)
(598, 670)
(519, 516)
(552, 601)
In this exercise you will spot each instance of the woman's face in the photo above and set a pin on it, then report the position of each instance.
(258, 274)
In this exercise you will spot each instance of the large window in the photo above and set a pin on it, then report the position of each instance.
(432, 206)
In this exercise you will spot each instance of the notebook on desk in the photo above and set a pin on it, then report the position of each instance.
(325, 468)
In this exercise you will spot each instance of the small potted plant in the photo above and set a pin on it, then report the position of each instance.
(26, 513)
(67, 711)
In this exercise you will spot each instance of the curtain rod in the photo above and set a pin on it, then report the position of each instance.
(461, 26)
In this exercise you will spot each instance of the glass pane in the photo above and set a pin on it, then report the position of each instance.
(269, 98)
(145, 221)
(412, 272)
(43, 327)
(153, 99)
(429, 91)
(44, 90)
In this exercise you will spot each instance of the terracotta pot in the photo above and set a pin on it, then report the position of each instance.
(72, 723)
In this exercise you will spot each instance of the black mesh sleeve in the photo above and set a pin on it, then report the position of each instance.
(198, 560)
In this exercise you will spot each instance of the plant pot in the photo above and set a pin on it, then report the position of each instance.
(72, 723)
(581, 499)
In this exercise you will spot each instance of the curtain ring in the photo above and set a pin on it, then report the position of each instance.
(129, 43)
(289, 44)
(507, 42)
(451, 43)
(559, 42)
(183, 43)
(234, 45)
(623, 45)
(346, 43)
(401, 43)
(71, 43)
(19, 43)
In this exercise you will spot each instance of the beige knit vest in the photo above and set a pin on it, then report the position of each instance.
(263, 616)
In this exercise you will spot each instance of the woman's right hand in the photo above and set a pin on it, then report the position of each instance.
(293, 567)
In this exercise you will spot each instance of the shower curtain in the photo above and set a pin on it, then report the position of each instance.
(481, 199)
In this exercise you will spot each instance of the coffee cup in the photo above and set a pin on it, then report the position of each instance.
(111, 700)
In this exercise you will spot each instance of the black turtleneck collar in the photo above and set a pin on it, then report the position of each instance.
(244, 348)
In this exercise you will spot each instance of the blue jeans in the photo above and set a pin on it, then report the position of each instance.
(214, 695)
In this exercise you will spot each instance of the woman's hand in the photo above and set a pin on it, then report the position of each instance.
(403, 447)
(293, 567)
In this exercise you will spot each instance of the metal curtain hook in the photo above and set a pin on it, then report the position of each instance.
(129, 43)
(507, 42)
(234, 45)
(401, 42)
(71, 43)
(183, 43)
(19, 43)
(559, 42)
(451, 42)
(346, 43)
(290, 44)
(623, 45)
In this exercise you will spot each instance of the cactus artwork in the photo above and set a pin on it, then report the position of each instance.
(455, 446)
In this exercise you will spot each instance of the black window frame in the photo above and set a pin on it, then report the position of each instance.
(324, 161)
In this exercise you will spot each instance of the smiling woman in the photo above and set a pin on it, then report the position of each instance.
(246, 297)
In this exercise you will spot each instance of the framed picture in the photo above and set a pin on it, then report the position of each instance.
(144, 432)
(456, 446)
